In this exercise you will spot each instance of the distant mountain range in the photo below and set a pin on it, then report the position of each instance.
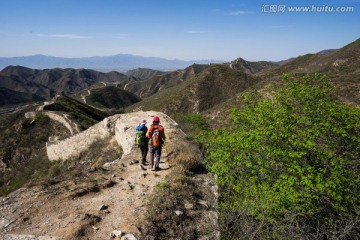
(209, 84)
(120, 62)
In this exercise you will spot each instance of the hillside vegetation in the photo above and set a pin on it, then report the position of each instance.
(10, 97)
(143, 73)
(211, 86)
(84, 114)
(162, 81)
(111, 97)
(342, 67)
(288, 167)
(251, 67)
(23, 155)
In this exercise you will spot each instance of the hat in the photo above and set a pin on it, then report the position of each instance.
(143, 122)
(156, 119)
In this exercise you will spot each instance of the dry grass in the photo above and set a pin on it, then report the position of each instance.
(184, 154)
(175, 205)
(176, 211)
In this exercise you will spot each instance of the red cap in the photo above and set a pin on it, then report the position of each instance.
(156, 119)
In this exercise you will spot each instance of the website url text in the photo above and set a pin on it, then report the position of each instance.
(273, 8)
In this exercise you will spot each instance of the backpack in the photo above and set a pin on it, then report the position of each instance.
(156, 138)
(140, 137)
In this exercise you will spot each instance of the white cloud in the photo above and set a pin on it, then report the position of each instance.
(195, 31)
(121, 36)
(239, 13)
(68, 36)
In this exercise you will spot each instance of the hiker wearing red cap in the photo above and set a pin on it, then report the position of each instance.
(156, 134)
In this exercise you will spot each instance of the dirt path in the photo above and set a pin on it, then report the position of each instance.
(123, 193)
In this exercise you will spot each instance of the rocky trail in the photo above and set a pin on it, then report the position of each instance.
(100, 203)
(116, 203)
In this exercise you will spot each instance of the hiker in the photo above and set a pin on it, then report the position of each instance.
(141, 140)
(156, 134)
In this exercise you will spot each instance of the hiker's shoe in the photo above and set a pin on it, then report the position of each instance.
(134, 161)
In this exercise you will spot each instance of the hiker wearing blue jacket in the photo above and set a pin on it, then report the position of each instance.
(141, 140)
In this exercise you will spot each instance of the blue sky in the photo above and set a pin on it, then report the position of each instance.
(175, 29)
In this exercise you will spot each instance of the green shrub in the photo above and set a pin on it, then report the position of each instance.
(289, 165)
(41, 119)
(55, 170)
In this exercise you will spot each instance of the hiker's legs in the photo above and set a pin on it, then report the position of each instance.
(157, 157)
(151, 156)
(144, 151)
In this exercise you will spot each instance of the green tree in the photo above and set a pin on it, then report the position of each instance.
(289, 163)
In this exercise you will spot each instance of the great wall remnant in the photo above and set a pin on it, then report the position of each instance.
(121, 126)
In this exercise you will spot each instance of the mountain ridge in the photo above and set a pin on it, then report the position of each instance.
(44, 84)
(118, 62)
